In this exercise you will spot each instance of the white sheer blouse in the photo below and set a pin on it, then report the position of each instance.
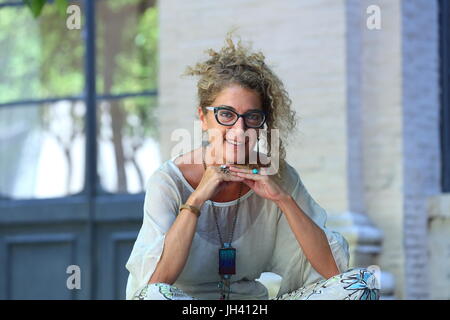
(263, 239)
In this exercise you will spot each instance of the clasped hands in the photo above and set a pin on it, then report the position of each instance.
(215, 178)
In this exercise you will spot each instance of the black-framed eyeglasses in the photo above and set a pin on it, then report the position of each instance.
(227, 117)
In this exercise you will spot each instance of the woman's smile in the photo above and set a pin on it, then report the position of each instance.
(234, 143)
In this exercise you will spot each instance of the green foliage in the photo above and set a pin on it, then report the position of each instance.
(41, 58)
(62, 5)
(36, 6)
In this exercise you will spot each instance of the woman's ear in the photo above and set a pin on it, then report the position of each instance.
(202, 118)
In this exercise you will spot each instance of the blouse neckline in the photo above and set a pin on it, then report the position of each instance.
(191, 189)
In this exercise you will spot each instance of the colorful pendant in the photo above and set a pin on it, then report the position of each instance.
(227, 260)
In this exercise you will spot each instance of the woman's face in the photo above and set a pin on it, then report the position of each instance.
(231, 144)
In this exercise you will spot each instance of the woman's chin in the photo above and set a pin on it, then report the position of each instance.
(237, 157)
(233, 154)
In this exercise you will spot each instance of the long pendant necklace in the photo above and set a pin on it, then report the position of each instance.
(227, 254)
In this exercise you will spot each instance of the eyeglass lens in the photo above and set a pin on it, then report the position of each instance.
(228, 117)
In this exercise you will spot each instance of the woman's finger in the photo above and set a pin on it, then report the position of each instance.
(250, 176)
(249, 183)
(260, 171)
(241, 170)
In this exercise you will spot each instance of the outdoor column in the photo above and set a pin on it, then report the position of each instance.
(329, 151)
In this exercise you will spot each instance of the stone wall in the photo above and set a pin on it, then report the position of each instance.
(439, 246)
(420, 63)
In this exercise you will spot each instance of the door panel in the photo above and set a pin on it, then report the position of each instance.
(37, 265)
(39, 240)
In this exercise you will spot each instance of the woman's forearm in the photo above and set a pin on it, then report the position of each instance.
(177, 244)
(310, 237)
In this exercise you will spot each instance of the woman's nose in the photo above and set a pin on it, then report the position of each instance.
(240, 124)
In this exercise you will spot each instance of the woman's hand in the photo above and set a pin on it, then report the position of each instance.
(263, 184)
(213, 181)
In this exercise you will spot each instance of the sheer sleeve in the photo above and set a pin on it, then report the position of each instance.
(288, 259)
(162, 200)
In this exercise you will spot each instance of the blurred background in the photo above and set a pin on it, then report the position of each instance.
(91, 92)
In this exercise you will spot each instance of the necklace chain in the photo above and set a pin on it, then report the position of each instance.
(224, 284)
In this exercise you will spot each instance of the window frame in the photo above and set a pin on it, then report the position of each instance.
(444, 55)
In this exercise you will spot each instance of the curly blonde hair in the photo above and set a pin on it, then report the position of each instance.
(237, 64)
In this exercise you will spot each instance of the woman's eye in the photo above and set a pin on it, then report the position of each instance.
(226, 114)
(254, 116)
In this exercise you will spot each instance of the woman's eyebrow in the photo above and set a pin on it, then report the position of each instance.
(224, 105)
(255, 109)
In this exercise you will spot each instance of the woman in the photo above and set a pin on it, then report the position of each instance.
(212, 226)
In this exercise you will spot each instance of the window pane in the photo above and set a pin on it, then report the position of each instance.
(128, 147)
(126, 46)
(40, 57)
(42, 150)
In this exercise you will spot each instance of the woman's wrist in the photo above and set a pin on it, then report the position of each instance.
(195, 200)
(283, 200)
